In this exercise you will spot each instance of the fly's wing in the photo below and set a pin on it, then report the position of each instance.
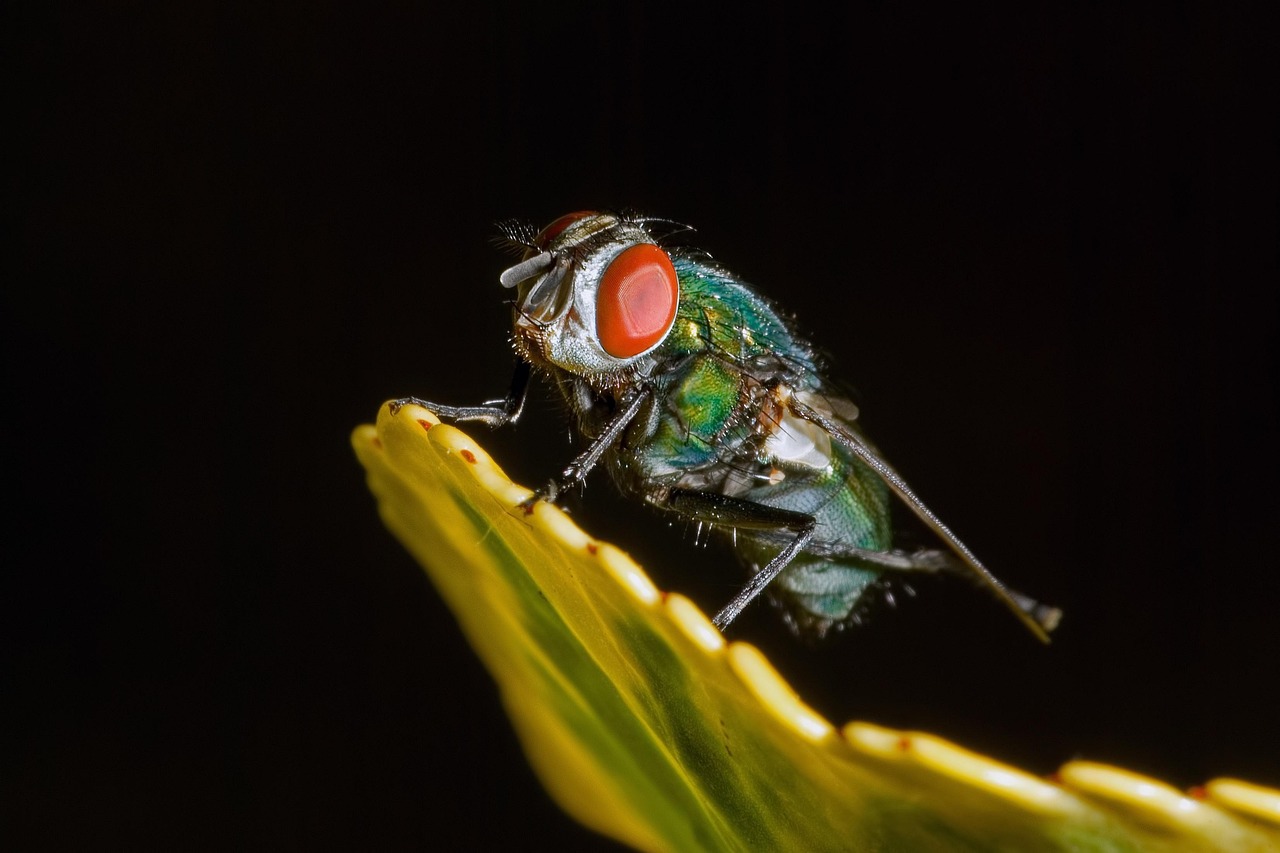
(1039, 620)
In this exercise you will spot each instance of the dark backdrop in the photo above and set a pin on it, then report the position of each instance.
(1041, 246)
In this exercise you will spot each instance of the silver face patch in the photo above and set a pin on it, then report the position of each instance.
(558, 288)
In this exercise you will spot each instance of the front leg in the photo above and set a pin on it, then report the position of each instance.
(495, 413)
(579, 468)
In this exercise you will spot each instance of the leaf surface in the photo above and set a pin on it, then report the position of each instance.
(645, 725)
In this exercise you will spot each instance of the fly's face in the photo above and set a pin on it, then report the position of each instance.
(595, 296)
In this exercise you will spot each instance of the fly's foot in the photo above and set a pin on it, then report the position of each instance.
(547, 493)
(396, 405)
(551, 493)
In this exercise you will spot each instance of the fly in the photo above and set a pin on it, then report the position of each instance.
(702, 400)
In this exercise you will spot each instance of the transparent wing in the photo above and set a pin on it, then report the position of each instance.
(1039, 619)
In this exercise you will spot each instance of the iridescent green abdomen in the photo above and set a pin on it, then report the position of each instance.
(851, 506)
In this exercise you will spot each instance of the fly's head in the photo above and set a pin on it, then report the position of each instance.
(595, 296)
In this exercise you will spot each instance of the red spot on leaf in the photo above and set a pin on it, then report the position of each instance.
(1198, 793)
(425, 424)
(469, 456)
(904, 744)
(377, 442)
(1055, 778)
(593, 548)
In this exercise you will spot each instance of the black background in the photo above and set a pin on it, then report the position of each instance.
(1041, 246)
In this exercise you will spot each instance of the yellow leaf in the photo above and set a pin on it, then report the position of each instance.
(645, 725)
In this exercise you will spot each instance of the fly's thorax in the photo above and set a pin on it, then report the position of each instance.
(596, 296)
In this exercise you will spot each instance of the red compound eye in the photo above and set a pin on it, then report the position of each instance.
(555, 229)
(636, 303)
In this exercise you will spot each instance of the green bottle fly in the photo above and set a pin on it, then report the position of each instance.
(703, 401)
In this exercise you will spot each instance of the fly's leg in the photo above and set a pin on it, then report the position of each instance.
(933, 560)
(494, 413)
(746, 515)
(928, 560)
(894, 481)
(577, 470)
